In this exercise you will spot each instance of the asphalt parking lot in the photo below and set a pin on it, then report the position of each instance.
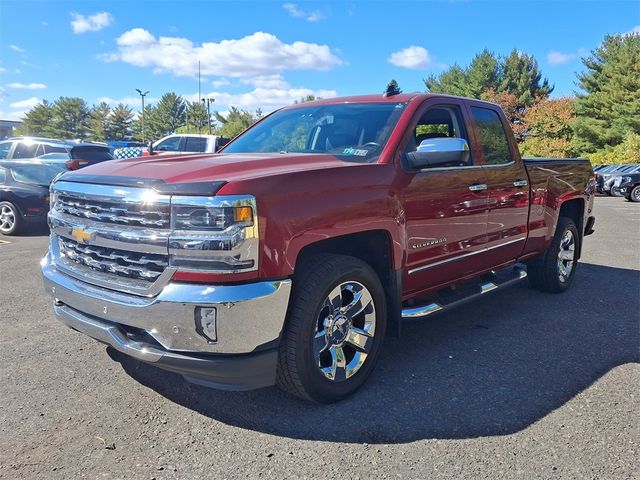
(517, 385)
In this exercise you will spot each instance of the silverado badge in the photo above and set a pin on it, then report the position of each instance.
(81, 235)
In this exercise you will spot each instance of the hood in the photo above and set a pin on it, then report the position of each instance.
(182, 169)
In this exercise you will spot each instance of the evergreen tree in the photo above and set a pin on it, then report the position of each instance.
(137, 128)
(39, 121)
(609, 109)
(482, 74)
(195, 118)
(452, 81)
(120, 122)
(168, 115)
(521, 76)
(235, 122)
(70, 117)
(393, 88)
(98, 123)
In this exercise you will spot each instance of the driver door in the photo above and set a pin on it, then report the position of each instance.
(446, 206)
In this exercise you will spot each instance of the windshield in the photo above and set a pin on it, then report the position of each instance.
(355, 132)
(38, 174)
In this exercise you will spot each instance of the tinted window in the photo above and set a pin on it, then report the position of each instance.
(3, 175)
(37, 173)
(169, 145)
(492, 136)
(195, 144)
(52, 149)
(4, 149)
(91, 154)
(25, 150)
(356, 132)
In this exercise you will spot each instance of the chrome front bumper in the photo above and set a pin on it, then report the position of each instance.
(162, 330)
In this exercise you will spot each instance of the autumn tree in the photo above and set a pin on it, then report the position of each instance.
(609, 109)
(549, 128)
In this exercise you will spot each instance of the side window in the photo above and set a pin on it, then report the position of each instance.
(169, 145)
(195, 144)
(4, 149)
(438, 122)
(3, 175)
(25, 150)
(492, 136)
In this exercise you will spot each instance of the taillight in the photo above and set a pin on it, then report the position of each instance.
(72, 164)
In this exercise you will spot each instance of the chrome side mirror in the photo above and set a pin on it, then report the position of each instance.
(439, 151)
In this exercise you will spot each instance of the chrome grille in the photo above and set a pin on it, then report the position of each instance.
(135, 214)
(140, 266)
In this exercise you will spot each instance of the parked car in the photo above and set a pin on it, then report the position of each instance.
(83, 154)
(18, 148)
(630, 186)
(187, 143)
(24, 193)
(312, 235)
(606, 178)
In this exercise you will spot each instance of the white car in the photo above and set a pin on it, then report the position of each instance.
(189, 143)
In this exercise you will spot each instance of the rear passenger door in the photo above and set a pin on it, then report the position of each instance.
(507, 186)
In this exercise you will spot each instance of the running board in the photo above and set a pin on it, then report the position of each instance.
(459, 294)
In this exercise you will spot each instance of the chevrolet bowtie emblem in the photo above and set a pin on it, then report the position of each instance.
(81, 235)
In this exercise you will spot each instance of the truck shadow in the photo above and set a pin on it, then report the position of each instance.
(492, 367)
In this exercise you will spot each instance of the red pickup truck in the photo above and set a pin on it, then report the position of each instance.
(286, 258)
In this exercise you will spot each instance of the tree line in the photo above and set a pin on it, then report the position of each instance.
(601, 122)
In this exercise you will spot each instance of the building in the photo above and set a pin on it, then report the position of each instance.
(7, 127)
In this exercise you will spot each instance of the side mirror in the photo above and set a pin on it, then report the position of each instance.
(439, 151)
(150, 149)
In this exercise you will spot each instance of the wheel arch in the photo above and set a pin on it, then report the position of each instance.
(574, 209)
(374, 247)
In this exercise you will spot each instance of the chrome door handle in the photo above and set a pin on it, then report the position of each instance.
(520, 183)
(478, 187)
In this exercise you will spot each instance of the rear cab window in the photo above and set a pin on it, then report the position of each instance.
(195, 144)
(492, 136)
(91, 154)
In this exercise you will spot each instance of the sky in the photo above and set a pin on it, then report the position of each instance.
(268, 54)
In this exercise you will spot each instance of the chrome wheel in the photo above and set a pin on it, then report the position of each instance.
(7, 219)
(636, 194)
(566, 255)
(345, 329)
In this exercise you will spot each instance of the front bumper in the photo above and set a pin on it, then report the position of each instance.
(162, 330)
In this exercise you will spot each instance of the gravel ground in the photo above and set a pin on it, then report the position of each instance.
(517, 385)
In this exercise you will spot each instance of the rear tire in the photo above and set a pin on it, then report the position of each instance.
(335, 327)
(11, 221)
(634, 194)
(554, 272)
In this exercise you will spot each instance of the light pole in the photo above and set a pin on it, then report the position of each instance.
(142, 95)
(209, 102)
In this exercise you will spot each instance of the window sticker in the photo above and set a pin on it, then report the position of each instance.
(359, 152)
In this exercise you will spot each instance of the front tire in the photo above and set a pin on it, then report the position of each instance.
(554, 272)
(10, 219)
(334, 331)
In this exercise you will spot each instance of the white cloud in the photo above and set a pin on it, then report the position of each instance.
(222, 82)
(296, 12)
(254, 55)
(27, 86)
(16, 48)
(13, 116)
(559, 58)
(634, 31)
(3, 93)
(131, 101)
(2, 70)
(267, 81)
(27, 104)
(90, 23)
(412, 57)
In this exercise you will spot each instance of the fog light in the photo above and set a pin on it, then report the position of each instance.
(206, 323)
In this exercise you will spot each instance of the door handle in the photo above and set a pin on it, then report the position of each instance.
(520, 183)
(478, 187)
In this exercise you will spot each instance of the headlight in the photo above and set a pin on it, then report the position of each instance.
(625, 180)
(214, 234)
